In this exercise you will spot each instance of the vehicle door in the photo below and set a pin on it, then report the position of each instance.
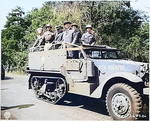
(76, 66)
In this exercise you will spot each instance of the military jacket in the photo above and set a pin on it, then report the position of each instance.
(68, 35)
(49, 36)
(40, 41)
(88, 38)
(59, 36)
(76, 37)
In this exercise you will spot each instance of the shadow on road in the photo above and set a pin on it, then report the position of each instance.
(8, 78)
(91, 104)
(17, 106)
(87, 103)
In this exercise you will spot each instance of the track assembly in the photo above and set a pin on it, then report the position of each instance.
(50, 89)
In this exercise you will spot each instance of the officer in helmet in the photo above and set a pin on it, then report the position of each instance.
(49, 35)
(88, 37)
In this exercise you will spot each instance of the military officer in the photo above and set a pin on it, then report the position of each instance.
(68, 32)
(59, 33)
(49, 35)
(88, 37)
(68, 36)
(40, 39)
(76, 34)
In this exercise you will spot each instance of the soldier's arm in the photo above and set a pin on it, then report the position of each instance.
(75, 38)
(61, 37)
(82, 37)
(35, 43)
(93, 41)
(41, 42)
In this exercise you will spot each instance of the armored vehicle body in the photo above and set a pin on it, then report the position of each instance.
(93, 71)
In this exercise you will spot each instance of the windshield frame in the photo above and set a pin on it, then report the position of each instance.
(100, 50)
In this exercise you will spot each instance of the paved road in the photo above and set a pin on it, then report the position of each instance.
(20, 102)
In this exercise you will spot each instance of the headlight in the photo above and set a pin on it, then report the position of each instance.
(144, 73)
(143, 69)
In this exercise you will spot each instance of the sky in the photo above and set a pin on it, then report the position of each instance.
(7, 5)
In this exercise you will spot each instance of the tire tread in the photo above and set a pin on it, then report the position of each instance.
(137, 102)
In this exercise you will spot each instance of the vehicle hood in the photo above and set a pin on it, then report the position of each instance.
(111, 66)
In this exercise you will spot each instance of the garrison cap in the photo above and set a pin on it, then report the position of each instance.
(88, 26)
(48, 25)
(74, 24)
(67, 22)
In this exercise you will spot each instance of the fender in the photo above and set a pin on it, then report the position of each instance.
(126, 75)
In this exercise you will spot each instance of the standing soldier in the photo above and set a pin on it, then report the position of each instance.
(49, 35)
(88, 37)
(68, 32)
(68, 36)
(76, 34)
(40, 39)
(59, 33)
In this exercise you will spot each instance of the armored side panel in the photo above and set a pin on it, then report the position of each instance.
(36, 60)
(47, 60)
(76, 69)
(90, 68)
(54, 59)
(82, 88)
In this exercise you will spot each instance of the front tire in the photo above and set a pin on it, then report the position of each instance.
(123, 102)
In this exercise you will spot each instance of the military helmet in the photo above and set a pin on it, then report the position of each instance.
(59, 27)
(67, 22)
(48, 25)
(88, 26)
(74, 24)
(39, 30)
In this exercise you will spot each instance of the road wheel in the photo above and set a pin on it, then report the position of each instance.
(123, 102)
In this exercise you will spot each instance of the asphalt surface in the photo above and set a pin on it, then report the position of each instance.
(18, 102)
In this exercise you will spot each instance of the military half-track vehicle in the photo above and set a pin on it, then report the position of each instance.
(94, 71)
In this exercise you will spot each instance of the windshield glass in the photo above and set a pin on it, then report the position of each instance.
(101, 54)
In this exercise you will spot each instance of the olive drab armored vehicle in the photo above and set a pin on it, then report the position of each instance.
(94, 71)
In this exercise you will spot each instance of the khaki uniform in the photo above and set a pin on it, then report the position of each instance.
(88, 39)
(40, 41)
(49, 36)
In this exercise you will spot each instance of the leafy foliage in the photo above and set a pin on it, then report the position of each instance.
(13, 41)
(39, 18)
(115, 24)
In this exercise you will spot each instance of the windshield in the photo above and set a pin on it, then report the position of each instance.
(101, 54)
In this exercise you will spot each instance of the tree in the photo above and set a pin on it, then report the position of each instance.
(116, 24)
(138, 47)
(12, 36)
(39, 18)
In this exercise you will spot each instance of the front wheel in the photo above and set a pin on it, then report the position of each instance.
(123, 102)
